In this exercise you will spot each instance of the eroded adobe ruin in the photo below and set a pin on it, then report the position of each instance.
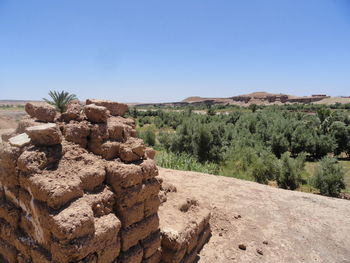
(80, 187)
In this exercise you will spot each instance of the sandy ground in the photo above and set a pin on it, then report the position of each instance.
(286, 226)
(9, 120)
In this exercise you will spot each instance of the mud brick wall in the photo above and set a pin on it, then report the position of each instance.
(184, 224)
(78, 187)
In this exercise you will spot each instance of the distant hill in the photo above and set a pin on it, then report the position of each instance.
(265, 98)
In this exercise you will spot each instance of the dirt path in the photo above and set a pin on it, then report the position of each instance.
(298, 227)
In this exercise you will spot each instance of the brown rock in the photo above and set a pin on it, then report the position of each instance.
(92, 175)
(133, 255)
(41, 111)
(8, 168)
(139, 231)
(151, 205)
(99, 132)
(54, 188)
(77, 220)
(72, 111)
(155, 258)
(20, 140)
(259, 251)
(150, 153)
(151, 244)
(77, 133)
(7, 134)
(129, 216)
(149, 169)
(97, 114)
(123, 175)
(115, 108)
(46, 134)
(118, 129)
(108, 150)
(133, 149)
(25, 123)
(242, 246)
(10, 213)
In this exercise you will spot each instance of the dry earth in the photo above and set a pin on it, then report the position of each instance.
(285, 226)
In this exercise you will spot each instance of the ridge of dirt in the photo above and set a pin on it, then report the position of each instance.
(275, 225)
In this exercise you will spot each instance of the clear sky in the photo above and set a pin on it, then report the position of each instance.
(162, 50)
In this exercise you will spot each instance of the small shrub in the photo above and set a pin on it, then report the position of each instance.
(266, 168)
(329, 177)
(291, 170)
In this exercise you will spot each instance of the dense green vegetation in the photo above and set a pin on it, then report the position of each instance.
(261, 143)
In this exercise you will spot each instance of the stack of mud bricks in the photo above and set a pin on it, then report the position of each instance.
(78, 187)
(184, 224)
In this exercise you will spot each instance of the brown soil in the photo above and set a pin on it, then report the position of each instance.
(274, 225)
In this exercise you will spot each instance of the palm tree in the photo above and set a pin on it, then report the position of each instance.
(60, 99)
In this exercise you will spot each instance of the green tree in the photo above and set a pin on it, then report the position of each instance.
(266, 168)
(291, 170)
(60, 99)
(253, 107)
(329, 177)
(339, 131)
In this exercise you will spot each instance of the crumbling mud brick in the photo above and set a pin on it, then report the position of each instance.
(149, 169)
(133, 255)
(46, 134)
(155, 258)
(131, 215)
(151, 205)
(41, 111)
(72, 112)
(25, 123)
(10, 213)
(115, 108)
(106, 234)
(54, 189)
(139, 231)
(92, 176)
(34, 159)
(7, 252)
(109, 253)
(77, 133)
(172, 256)
(96, 114)
(151, 244)
(77, 220)
(121, 175)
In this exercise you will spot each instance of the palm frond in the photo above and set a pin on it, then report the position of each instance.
(60, 99)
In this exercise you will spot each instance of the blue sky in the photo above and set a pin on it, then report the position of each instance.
(158, 50)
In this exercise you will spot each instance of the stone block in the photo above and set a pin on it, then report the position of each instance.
(155, 258)
(149, 169)
(41, 111)
(46, 134)
(96, 114)
(150, 153)
(19, 140)
(136, 232)
(151, 205)
(77, 220)
(115, 108)
(121, 175)
(10, 213)
(133, 255)
(131, 215)
(151, 244)
(77, 133)
(53, 188)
